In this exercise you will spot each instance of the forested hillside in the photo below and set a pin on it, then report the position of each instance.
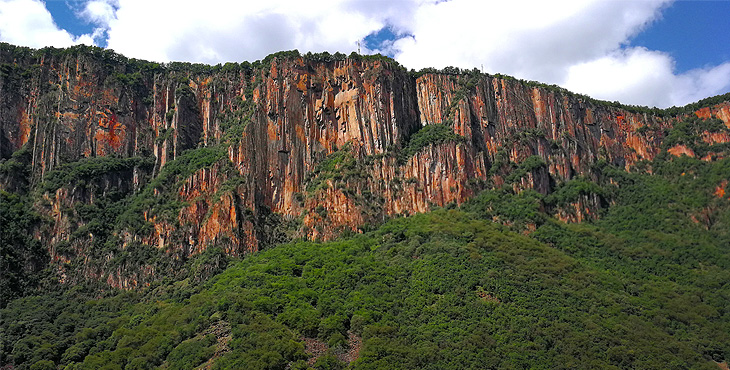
(646, 286)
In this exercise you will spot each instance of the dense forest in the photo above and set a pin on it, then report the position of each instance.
(645, 286)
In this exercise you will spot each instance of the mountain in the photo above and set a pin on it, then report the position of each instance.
(118, 173)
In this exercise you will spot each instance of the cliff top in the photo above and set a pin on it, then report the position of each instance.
(11, 54)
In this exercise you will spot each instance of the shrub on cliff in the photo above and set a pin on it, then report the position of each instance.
(428, 135)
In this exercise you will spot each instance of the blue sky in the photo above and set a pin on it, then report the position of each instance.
(647, 52)
(66, 15)
(695, 33)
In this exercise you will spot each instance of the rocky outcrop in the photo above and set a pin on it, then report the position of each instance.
(322, 143)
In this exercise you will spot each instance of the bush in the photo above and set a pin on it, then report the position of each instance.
(428, 135)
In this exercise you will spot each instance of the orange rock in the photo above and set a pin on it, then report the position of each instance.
(680, 150)
(720, 189)
(303, 111)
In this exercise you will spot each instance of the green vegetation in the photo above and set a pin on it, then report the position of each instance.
(428, 135)
(235, 122)
(160, 196)
(287, 54)
(21, 256)
(689, 132)
(99, 225)
(529, 165)
(89, 169)
(339, 166)
(498, 283)
(504, 206)
(15, 171)
(644, 287)
(344, 171)
(570, 191)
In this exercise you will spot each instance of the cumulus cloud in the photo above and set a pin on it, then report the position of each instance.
(701, 83)
(635, 74)
(528, 39)
(28, 23)
(645, 77)
(583, 45)
(230, 30)
(99, 12)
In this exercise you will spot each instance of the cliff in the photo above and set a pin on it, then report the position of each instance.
(179, 158)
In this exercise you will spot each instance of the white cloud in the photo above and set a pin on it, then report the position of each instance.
(645, 77)
(701, 83)
(231, 30)
(529, 39)
(99, 12)
(28, 23)
(583, 45)
(635, 75)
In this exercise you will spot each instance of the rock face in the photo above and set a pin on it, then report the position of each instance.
(317, 142)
